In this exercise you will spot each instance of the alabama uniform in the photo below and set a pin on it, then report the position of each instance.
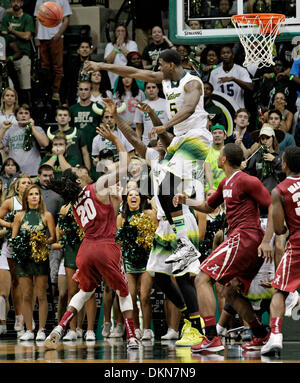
(287, 276)
(237, 257)
(99, 255)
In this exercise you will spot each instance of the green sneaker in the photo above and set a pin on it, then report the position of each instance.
(187, 325)
(191, 337)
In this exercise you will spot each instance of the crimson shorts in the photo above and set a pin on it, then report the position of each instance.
(97, 259)
(287, 275)
(237, 257)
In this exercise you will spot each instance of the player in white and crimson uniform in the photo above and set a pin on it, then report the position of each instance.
(186, 153)
(99, 256)
(236, 261)
(230, 78)
(286, 209)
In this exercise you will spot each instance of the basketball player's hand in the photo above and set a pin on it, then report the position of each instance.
(91, 66)
(111, 106)
(157, 130)
(179, 199)
(106, 132)
(143, 107)
(265, 250)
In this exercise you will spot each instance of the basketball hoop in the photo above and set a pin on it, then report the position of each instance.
(257, 33)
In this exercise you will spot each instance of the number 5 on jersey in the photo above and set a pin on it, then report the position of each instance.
(173, 108)
(86, 211)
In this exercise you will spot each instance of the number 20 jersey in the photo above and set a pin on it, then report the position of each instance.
(289, 189)
(96, 219)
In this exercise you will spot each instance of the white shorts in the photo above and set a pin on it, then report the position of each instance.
(62, 270)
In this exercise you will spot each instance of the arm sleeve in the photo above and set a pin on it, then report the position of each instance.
(217, 198)
(253, 187)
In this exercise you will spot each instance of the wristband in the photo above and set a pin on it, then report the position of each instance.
(54, 157)
(117, 50)
(11, 58)
(214, 66)
(291, 77)
(272, 75)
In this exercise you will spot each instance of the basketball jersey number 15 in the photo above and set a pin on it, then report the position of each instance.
(86, 211)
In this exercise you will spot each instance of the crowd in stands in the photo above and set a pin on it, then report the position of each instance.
(33, 149)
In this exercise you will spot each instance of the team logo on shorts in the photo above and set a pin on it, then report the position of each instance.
(213, 269)
(276, 280)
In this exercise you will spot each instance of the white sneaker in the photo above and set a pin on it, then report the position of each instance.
(19, 323)
(290, 302)
(148, 334)
(54, 337)
(106, 329)
(40, 335)
(29, 335)
(273, 345)
(132, 343)
(171, 334)
(90, 335)
(20, 333)
(71, 335)
(118, 331)
(3, 329)
(138, 333)
(184, 250)
(79, 332)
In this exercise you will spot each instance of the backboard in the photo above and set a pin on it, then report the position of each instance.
(214, 15)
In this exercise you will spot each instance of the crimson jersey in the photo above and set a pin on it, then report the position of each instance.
(96, 219)
(242, 194)
(289, 189)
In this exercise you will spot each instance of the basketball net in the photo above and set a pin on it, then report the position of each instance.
(257, 33)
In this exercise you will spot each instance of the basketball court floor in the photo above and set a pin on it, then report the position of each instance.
(114, 351)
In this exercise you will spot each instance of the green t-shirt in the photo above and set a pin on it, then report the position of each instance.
(218, 174)
(86, 120)
(74, 154)
(23, 24)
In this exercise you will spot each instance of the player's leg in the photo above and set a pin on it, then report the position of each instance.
(76, 304)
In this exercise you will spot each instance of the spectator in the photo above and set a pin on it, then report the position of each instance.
(9, 173)
(140, 282)
(23, 140)
(20, 25)
(209, 61)
(240, 134)
(213, 174)
(9, 76)
(127, 91)
(83, 118)
(279, 103)
(265, 164)
(57, 159)
(116, 52)
(100, 87)
(135, 60)
(152, 51)
(74, 73)
(77, 151)
(215, 113)
(230, 78)
(275, 119)
(100, 143)
(157, 105)
(9, 104)
(185, 51)
(33, 274)
(51, 43)
(224, 11)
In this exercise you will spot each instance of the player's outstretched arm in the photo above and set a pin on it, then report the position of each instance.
(203, 207)
(124, 71)
(106, 181)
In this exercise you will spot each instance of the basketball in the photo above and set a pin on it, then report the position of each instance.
(50, 14)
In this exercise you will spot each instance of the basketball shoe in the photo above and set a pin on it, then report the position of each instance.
(256, 343)
(185, 252)
(54, 337)
(273, 345)
(212, 345)
(190, 337)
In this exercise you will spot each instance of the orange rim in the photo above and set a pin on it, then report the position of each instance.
(253, 18)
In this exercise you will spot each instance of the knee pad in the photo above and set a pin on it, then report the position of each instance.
(125, 303)
(79, 299)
